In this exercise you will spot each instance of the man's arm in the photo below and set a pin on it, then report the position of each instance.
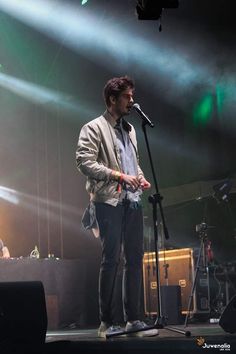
(87, 154)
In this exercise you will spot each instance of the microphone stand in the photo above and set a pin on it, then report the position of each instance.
(155, 199)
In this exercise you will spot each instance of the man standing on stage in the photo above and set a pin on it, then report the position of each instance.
(107, 154)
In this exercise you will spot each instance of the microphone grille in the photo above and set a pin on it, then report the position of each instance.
(136, 105)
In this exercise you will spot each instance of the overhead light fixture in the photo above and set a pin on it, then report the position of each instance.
(222, 190)
(152, 10)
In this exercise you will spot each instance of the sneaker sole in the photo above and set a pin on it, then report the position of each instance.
(154, 333)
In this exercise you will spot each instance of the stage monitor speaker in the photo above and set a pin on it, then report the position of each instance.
(23, 314)
(171, 304)
(228, 317)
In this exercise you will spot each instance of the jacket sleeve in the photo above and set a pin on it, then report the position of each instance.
(87, 154)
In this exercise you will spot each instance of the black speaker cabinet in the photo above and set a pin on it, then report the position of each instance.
(171, 304)
(23, 315)
(176, 267)
(228, 317)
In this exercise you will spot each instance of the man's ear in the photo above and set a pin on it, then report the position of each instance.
(112, 99)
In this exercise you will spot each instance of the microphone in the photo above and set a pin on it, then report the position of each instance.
(144, 117)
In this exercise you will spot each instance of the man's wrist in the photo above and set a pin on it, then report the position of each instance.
(117, 176)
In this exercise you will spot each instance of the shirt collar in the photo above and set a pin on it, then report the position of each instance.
(109, 118)
(126, 126)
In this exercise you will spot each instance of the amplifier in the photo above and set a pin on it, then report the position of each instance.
(176, 267)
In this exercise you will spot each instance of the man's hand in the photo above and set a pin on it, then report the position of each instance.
(135, 182)
(144, 184)
(132, 181)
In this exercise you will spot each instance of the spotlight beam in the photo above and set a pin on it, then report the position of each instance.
(35, 204)
(9, 195)
(82, 31)
(39, 94)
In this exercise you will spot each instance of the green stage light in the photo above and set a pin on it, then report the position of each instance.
(220, 98)
(83, 2)
(203, 111)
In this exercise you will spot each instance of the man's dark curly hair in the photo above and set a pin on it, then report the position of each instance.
(115, 86)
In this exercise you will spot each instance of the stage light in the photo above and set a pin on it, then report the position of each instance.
(41, 95)
(220, 98)
(202, 113)
(70, 26)
(152, 10)
(83, 2)
(212, 103)
(222, 190)
(9, 195)
(40, 205)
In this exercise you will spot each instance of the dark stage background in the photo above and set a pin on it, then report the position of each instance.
(55, 57)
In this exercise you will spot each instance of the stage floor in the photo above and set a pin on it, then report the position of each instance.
(210, 337)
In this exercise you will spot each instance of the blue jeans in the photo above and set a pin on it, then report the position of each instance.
(121, 232)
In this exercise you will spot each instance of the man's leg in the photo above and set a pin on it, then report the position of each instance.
(110, 222)
(133, 251)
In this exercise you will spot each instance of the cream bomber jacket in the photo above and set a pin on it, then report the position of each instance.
(97, 155)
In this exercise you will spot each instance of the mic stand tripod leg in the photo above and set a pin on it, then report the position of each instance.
(201, 252)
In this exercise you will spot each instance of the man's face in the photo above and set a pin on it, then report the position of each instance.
(124, 102)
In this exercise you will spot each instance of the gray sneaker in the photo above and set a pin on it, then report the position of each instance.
(102, 329)
(140, 326)
(106, 329)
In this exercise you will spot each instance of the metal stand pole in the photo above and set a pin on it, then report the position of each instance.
(202, 230)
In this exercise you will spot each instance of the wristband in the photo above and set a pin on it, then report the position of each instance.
(121, 178)
(116, 175)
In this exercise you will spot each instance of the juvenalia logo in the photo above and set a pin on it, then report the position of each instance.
(201, 342)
